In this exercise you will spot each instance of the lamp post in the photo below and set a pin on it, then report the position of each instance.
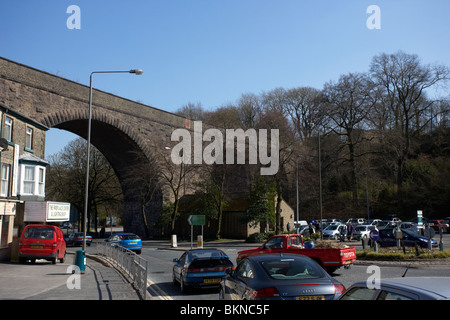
(86, 196)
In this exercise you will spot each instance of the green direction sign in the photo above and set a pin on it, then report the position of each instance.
(196, 220)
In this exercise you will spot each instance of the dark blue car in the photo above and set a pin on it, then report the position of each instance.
(200, 268)
(409, 238)
(129, 241)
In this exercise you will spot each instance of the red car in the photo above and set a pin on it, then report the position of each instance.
(42, 242)
(436, 224)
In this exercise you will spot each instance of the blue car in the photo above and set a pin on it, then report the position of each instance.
(129, 241)
(200, 268)
(409, 238)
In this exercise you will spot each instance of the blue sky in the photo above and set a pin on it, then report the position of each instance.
(212, 51)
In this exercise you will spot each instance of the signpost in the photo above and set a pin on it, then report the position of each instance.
(196, 220)
(374, 235)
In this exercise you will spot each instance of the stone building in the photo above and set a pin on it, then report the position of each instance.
(22, 170)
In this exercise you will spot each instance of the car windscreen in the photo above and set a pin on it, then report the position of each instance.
(291, 269)
(38, 233)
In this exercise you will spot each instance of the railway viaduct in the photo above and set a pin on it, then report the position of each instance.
(124, 131)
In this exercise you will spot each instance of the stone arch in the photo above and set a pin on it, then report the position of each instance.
(123, 147)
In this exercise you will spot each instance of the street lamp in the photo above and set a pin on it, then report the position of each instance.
(86, 196)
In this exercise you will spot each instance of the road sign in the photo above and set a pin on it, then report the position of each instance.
(374, 235)
(196, 220)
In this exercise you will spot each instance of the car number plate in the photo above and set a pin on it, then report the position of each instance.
(37, 247)
(310, 298)
(215, 280)
(133, 243)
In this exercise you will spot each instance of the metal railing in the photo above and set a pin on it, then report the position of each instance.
(129, 262)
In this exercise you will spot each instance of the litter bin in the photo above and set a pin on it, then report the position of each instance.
(80, 260)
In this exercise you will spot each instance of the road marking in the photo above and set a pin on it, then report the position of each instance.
(157, 291)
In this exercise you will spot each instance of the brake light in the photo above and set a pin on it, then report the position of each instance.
(338, 288)
(266, 293)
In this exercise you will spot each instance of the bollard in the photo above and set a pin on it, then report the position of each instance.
(199, 241)
(174, 241)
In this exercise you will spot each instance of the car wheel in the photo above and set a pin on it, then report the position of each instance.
(174, 279)
(222, 293)
(183, 287)
(55, 259)
(63, 258)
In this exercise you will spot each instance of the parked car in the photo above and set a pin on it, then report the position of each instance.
(200, 268)
(333, 231)
(436, 224)
(279, 277)
(409, 226)
(356, 221)
(373, 222)
(66, 225)
(42, 242)
(362, 231)
(76, 239)
(410, 239)
(409, 288)
(129, 241)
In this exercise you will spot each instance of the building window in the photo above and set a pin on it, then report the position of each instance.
(7, 132)
(32, 180)
(28, 180)
(41, 182)
(6, 169)
(29, 138)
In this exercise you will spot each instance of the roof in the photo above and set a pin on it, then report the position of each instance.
(30, 158)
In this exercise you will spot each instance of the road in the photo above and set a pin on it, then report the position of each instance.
(161, 257)
(161, 272)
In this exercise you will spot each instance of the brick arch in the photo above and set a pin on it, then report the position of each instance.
(122, 147)
(56, 119)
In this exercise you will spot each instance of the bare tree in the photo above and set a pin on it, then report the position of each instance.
(404, 81)
(348, 104)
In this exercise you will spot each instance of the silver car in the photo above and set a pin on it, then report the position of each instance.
(409, 288)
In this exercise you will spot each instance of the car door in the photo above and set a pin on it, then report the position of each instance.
(387, 237)
(178, 267)
(244, 273)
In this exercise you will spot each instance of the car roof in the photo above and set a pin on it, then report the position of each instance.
(421, 285)
(262, 257)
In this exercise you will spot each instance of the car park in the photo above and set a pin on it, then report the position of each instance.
(128, 241)
(42, 242)
(409, 239)
(200, 268)
(279, 277)
(76, 239)
(407, 288)
(362, 231)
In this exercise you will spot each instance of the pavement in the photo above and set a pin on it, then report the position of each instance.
(46, 281)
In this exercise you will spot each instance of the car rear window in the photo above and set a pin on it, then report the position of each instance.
(38, 233)
(291, 269)
(129, 237)
(211, 263)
